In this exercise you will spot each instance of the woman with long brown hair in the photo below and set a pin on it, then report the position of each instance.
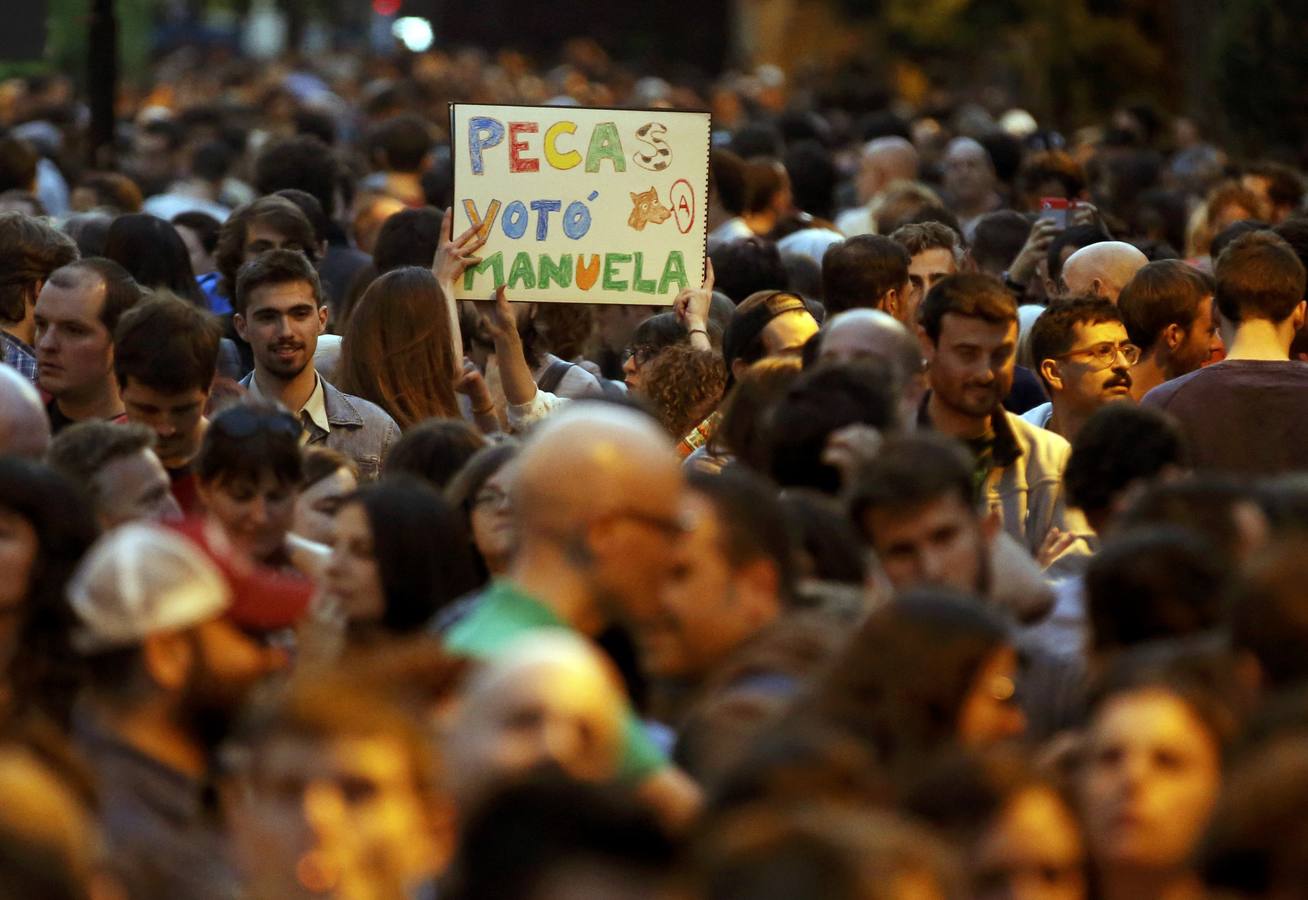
(397, 350)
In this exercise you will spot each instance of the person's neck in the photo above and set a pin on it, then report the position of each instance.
(98, 402)
(541, 572)
(1146, 375)
(151, 731)
(24, 330)
(979, 206)
(1261, 339)
(1064, 421)
(292, 392)
(950, 421)
(1130, 884)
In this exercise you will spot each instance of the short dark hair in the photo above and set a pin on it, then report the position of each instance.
(1163, 293)
(812, 177)
(1268, 615)
(18, 161)
(405, 140)
(823, 400)
(152, 250)
(1205, 503)
(746, 266)
(1285, 186)
(81, 450)
(407, 238)
(727, 178)
(966, 294)
(312, 209)
(1077, 237)
(276, 212)
(752, 521)
(919, 237)
(1119, 444)
(275, 267)
(908, 471)
(121, 292)
(302, 162)
(1054, 330)
(998, 238)
(113, 190)
(30, 250)
(434, 451)
(168, 345)
(1051, 165)
(764, 177)
(247, 440)
(1227, 235)
(1153, 583)
(205, 226)
(859, 271)
(1259, 277)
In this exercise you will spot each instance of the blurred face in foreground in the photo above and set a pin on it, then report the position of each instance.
(339, 816)
(1152, 774)
(561, 710)
(1031, 851)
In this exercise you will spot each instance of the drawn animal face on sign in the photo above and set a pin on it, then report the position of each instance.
(647, 210)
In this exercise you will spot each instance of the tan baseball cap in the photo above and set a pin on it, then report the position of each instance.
(140, 580)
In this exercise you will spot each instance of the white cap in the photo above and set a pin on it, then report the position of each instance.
(140, 580)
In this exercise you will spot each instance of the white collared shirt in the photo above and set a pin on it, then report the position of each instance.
(315, 407)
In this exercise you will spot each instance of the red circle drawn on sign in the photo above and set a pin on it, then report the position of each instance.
(683, 204)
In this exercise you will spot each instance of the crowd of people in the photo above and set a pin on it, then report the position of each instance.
(949, 540)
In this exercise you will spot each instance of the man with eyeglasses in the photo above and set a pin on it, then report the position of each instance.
(1084, 357)
(596, 500)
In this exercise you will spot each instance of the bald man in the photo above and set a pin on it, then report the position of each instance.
(884, 161)
(24, 426)
(1101, 270)
(860, 334)
(597, 500)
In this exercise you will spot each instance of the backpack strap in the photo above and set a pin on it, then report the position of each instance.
(553, 375)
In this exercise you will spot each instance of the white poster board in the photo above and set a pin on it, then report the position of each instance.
(581, 205)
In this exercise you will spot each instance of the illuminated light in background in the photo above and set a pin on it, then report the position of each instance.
(414, 32)
(386, 7)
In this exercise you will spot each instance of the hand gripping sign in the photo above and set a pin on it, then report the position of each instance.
(581, 205)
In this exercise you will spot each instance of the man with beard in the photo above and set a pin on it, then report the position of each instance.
(968, 333)
(280, 311)
(1084, 357)
(167, 668)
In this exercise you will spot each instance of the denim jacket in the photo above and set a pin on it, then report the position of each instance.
(360, 429)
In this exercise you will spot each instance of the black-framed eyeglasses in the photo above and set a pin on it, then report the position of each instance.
(641, 354)
(243, 421)
(1104, 355)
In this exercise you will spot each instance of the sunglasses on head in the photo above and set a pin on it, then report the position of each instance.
(247, 421)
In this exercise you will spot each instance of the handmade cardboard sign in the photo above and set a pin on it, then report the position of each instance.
(581, 205)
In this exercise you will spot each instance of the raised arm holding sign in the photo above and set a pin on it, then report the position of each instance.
(581, 205)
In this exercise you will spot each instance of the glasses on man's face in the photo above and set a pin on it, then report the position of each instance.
(492, 497)
(1104, 355)
(246, 421)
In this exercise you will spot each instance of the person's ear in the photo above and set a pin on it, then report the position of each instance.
(1173, 336)
(889, 302)
(928, 346)
(168, 658)
(323, 314)
(1052, 374)
(738, 368)
(761, 583)
(238, 322)
(1097, 287)
(1298, 315)
(991, 524)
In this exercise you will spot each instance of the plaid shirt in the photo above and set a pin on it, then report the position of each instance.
(19, 355)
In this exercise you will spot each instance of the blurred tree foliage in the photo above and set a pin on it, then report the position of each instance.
(1258, 63)
(1070, 59)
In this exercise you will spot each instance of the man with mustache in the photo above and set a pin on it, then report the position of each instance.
(968, 333)
(1084, 358)
(279, 312)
